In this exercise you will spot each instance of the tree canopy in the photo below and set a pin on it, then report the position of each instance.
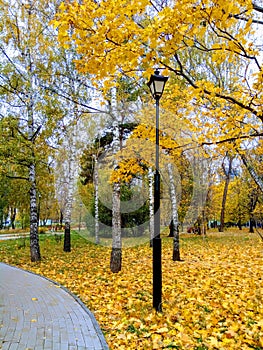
(210, 49)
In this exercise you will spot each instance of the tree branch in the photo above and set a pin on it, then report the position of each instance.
(32, 139)
(17, 177)
(94, 110)
(257, 8)
(190, 81)
(231, 139)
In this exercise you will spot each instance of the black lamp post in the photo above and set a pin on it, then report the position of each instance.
(156, 85)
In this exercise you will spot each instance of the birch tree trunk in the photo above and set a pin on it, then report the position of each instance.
(69, 199)
(116, 252)
(175, 223)
(151, 204)
(34, 239)
(67, 218)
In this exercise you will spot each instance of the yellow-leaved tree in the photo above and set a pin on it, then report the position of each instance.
(210, 50)
(187, 38)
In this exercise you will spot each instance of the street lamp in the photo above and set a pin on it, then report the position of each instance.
(156, 85)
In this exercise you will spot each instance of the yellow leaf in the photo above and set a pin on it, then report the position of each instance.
(162, 330)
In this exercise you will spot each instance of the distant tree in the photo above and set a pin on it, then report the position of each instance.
(227, 172)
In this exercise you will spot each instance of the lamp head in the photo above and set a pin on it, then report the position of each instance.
(156, 84)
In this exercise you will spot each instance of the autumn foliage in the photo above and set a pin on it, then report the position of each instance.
(208, 48)
(211, 300)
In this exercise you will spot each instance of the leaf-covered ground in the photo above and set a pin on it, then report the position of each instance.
(211, 300)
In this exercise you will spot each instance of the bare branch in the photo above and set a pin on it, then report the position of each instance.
(17, 177)
(93, 110)
(231, 139)
(257, 8)
(181, 72)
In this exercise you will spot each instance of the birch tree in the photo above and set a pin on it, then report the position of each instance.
(71, 180)
(67, 169)
(35, 84)
(25, 48)
(116, 251)
(89, 174)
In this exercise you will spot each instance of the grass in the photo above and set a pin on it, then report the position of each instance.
(211, 300)
(126, 242)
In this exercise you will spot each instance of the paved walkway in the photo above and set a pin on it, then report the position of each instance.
(37, 314)
(5, 236)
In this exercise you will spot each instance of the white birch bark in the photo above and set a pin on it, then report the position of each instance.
(116, 253)
(175, 223)
(70, 189)
(34, 238)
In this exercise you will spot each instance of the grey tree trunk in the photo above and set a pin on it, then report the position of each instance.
(227, 173)
(13, 217)
(175, 223)
(116, 253)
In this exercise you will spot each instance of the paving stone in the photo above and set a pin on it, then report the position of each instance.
(36, 314)
(5, 345)
(14, 346)
(56, 346)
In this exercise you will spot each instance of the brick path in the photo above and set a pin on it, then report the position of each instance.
(37, 314)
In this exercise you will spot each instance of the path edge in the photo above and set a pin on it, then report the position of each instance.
(77, 299)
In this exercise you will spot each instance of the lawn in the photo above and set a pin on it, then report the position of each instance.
(211, 300)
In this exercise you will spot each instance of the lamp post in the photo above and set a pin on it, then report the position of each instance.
(156, 85)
